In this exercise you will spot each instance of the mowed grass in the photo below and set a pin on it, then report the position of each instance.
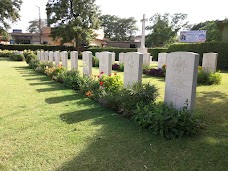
(44, 126)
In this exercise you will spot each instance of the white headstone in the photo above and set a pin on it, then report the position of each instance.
(209, 62)
(65, 59)
(105, 63)
(42, 56)
(97, 55)
(151, 58)
(181, 79)
(50, 56)
(121, 58)
(146, 59)
(46, 56)
(39, 55)
(87, 63)
(113, 57)
(57, 56)
(74, 59)
(133, 68)
(162, 57)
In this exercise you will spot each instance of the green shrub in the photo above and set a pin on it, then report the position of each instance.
(29, 57)
(139, 93)
(200, 48)
(95, 62)
(34, 63)
(208, 78)
(43, 66)
(166, 120)
(71, 79)
(17, 57)
(6, 53)
(121, 68)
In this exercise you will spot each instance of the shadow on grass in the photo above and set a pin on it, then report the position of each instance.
(157, 78)
(60, 99)
(119, 144)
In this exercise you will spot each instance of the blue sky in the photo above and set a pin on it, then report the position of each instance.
(197, 10)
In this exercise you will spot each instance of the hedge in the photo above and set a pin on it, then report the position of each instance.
(153, 51)
(200, 48)
(22, 47)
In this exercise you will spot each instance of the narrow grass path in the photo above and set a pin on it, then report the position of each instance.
(44, 126)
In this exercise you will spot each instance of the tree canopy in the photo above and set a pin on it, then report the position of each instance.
(164, 29)
(9, 12)
(213, 33)
(34, 25)
(73, 20)
(116, 28)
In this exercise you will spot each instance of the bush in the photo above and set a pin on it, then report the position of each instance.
(166, 120)
(5, 53)
(200, 48)
(95, 62)
(29, 57)
(208, 78)
(43, 66)
(118, 67)
(71, 79)
(155, 72)
(17, 57)
(140, 93)
(34, 63)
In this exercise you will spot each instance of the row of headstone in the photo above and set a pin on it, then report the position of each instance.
(50, 56)
(209, 63)
(181, 71)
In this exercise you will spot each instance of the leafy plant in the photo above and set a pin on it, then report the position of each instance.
(166, 121)
(208, 78)
(95, 62)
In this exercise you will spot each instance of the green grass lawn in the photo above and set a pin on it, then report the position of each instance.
(44, 126)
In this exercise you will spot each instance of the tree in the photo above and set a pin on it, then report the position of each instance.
(34, 25)
(164, 29)
(213, 33)
(116, 28)
(73, 20)
(9, 11)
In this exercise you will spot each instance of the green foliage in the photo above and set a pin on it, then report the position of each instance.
(153, 51)
(200, 48)
(213, 33)
(163, 30)
(29, 56)
(121, 67)
(9, 12)
(95, 62)
(110, 83)
(17, 57)
(120, 29)
(36, 25)
(5, 53)
(43, 66)
(73, 20)
(166, 121)
(34, 63)
(71, 79)
(53, 72)
(22, 47)
(208, 78)
(139, 93)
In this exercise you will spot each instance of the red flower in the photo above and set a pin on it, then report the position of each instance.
(98, 76)
(101, 83)
(102, 72)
